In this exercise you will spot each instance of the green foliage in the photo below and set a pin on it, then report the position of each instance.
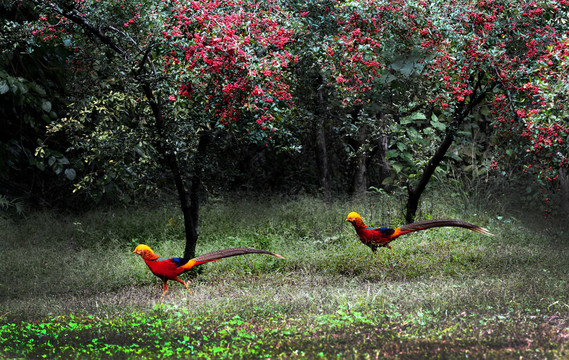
(109, 169)
(415, 139)
(32, 94)
(380, 83)
(236, 337)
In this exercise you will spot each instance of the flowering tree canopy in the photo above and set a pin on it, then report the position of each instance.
(162, 80)
(228, 58)
(158, 85)
(518, 52)
(497, 66)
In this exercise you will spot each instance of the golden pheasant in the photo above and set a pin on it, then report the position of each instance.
(381, 237)
(170, 268)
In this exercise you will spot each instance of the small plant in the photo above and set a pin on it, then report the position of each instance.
(12, 205)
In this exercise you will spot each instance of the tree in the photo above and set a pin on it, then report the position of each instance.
(396, 86)
(530, 112)
(491, 56)
(339, 60)
(457, 63)
(163, 80)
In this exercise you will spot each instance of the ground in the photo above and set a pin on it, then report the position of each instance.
(70, 286)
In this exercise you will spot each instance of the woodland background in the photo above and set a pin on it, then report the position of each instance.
(118, 101)
(263, 123)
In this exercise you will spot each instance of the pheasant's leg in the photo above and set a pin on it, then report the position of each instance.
(182, 282)
(165, 286)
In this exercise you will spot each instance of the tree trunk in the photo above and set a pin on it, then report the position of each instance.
(414, 193)
(359, 163)
(189, 211)
(380, 150)
(564, 188)
(321, 148)
(189, 202)
(195, 193)
(360, 175)
(322, 161)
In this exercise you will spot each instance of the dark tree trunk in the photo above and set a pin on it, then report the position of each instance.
(321, 148)
(381, 148)
(322, 161)
(414, 193)
(195, 193)
(188, 211)
(378, 151)
(359, 163)
(360, 173)
(564, 187)
(189, 200)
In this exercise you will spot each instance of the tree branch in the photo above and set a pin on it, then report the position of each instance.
(79, 20)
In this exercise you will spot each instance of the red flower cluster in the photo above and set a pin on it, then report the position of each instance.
(229, 58)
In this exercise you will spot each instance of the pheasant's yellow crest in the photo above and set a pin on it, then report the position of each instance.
(146, 252)
(353, 215)
(141, 248)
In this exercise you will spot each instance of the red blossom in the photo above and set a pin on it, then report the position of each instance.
(218, 49)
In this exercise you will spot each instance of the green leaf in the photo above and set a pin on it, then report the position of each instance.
(407, 156)
(63, 161)
(438, 125)
(4, 88)
(391, 154)
(46, 106)
(397, 167)
(418, 116)
(413, 134)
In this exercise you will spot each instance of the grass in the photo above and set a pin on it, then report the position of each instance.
(71, 288)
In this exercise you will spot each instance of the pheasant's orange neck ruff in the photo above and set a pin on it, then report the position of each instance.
(149, 255)
(359, 223)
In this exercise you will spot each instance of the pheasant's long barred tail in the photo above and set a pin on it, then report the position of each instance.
(220, 254)
(427, 224)
(483, 231)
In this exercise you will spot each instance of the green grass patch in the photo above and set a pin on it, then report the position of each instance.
(71, 288)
